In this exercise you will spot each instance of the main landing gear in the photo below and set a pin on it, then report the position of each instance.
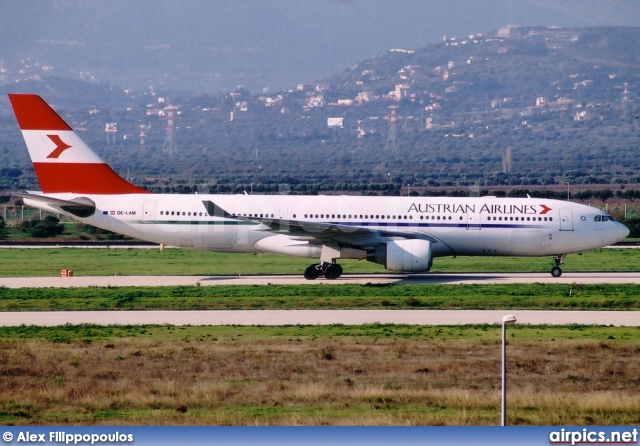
(330, 271)
(556, 271)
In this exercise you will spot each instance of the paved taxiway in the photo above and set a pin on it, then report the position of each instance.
(318, 317)
(452, 278)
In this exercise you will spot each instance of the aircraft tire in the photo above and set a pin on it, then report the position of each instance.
(333, 271)
(312, 272)
(556, 271)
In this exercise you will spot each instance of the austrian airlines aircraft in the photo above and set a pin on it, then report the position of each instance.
(401, 233)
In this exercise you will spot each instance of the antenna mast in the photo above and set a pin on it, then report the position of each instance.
(169, 142)
(391, 139)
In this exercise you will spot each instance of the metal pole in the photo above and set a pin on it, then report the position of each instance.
(503, 412)
(506, 320)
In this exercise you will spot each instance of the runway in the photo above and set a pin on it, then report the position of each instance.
(410, 279)
(318, 317)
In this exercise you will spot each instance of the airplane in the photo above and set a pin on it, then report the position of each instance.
(403, 234)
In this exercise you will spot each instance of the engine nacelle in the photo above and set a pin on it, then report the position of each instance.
(411, 255)
(282, 244)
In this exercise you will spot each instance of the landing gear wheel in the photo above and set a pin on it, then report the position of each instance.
(333, 271)
(556, 271)
(312, 272)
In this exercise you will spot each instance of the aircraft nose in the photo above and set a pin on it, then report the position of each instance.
(623, 231)
(618, 233)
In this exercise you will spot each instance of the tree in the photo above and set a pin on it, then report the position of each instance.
(48, 227)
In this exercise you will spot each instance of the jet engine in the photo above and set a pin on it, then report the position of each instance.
(411, 255)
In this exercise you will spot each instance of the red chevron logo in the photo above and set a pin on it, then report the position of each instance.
(545, 209)
(61, 146)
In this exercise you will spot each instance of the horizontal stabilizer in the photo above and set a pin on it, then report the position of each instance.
(81, 207)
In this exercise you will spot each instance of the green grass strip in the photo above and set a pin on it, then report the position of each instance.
(87, 334)
(348, 296)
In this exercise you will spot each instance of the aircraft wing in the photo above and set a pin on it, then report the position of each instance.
(321, 231)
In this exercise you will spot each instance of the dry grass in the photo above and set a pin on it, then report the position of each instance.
(322, 381)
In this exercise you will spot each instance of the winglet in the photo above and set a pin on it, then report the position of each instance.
(62, 161)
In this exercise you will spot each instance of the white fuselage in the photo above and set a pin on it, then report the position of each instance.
(460, 226)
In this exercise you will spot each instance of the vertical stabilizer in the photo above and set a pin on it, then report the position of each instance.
(62, 161)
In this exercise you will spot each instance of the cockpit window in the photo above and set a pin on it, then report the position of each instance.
(598, 218)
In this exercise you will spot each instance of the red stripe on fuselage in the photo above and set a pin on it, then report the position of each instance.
(82, 178)
(33, 113)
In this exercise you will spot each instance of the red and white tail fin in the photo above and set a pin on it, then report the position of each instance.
(62, 161)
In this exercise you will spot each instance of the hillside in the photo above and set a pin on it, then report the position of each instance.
(520, 106)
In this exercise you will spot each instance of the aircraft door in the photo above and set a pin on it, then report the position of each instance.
(149, 212)
(473, 221)
(566, 219)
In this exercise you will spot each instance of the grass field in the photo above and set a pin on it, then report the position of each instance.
(348, 296)
(312, 375)
(91, 262)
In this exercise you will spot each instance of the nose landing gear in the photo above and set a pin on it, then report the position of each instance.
(556, 271)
